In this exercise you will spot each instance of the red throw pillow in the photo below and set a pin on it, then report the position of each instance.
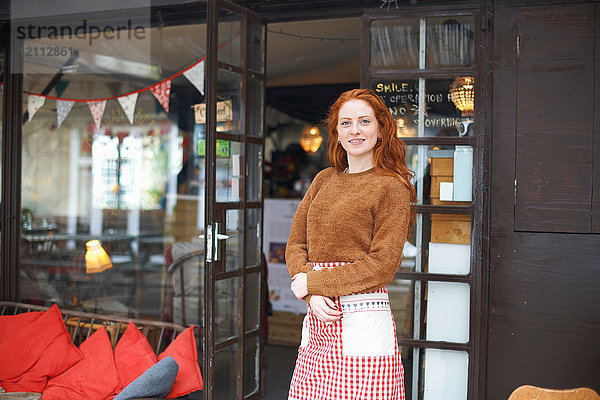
(95, 377)
(133, 355)
(183, 350)
(36, 349)
(10, 324)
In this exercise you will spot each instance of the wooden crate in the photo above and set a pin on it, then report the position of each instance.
(447, 228)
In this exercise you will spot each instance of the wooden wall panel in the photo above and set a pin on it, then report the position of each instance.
(503, 120)
(555, 111)
(544, 312)
(544, 320)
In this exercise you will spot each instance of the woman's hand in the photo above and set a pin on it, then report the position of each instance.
(299, 285)
(324, 308)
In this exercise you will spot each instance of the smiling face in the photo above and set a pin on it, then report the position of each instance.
(357, 132)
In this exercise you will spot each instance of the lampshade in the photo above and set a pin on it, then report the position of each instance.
(96, 259)
(311, 139)
(462, 94)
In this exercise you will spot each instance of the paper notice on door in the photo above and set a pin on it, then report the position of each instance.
(235, 164)
(235, 189)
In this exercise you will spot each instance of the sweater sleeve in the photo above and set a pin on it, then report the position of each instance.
(377, 268)
(296, 250)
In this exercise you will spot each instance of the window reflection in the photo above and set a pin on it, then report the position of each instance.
(395, 44)
(131, 177)
(448, 105)
(450, 42)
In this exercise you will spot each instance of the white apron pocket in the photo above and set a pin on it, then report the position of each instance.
(367, 325)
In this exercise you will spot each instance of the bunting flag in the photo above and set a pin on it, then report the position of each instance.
(63, 108)
(128, 105)
(97, 109)
(34, 103)
(196, 76)
(162, 91)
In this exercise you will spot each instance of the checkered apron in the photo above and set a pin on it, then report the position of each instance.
(355, 358)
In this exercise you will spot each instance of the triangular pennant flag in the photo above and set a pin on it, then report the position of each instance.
(63, 108)
(34, 103)
(162, 91)
(97, 109)
(128, 105)
(196, 76)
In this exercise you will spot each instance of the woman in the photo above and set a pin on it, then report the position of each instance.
(344, 247)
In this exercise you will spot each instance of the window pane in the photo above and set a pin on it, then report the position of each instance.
(229, 46)
(402, 98)
(253, 231)
(185, 284)
(441, 311)
(447, 312)
(443, 174)
(252, 301)
(229, 86)
(235, 241)
(229, 180)
(450, 42)
(255, 106)
(395, 44)
(449, 107)
(127, 172)
(251, 365)
(226, 309)
(256, 46)
(434, 374)
(255, 172)
(225, 370)
(446, 374)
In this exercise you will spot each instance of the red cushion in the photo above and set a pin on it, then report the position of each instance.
(9, 324)
(183, 350)
(34, 349)
(133, 355)
(94, 377)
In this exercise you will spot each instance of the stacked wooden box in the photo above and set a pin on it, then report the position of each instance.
(447, 228)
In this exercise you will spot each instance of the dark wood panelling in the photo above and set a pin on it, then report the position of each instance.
(545, 313)
(289, 10)
(555, 108)
(504, 117)
(544, 319)
(596, 156)
(526, 3)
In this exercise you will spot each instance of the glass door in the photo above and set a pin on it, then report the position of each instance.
(234, 121)
(426, 69)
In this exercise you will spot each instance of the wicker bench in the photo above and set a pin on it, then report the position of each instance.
(81, 325)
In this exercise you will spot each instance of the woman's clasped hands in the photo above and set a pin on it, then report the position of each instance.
(324, 308)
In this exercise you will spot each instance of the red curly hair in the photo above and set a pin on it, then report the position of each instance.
(389, 154)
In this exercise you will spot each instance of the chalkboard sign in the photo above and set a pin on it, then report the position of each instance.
(441, 116)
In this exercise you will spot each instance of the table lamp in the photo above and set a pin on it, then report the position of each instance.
(96, 259)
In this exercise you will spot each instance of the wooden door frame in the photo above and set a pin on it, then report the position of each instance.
(215, 210)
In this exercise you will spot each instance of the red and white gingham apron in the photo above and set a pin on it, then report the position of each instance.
(355, 358)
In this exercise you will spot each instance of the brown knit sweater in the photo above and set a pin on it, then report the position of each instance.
(359, 218)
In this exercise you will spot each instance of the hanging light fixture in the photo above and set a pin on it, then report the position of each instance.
(310, 139)
(96, 259)
(462, 94)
